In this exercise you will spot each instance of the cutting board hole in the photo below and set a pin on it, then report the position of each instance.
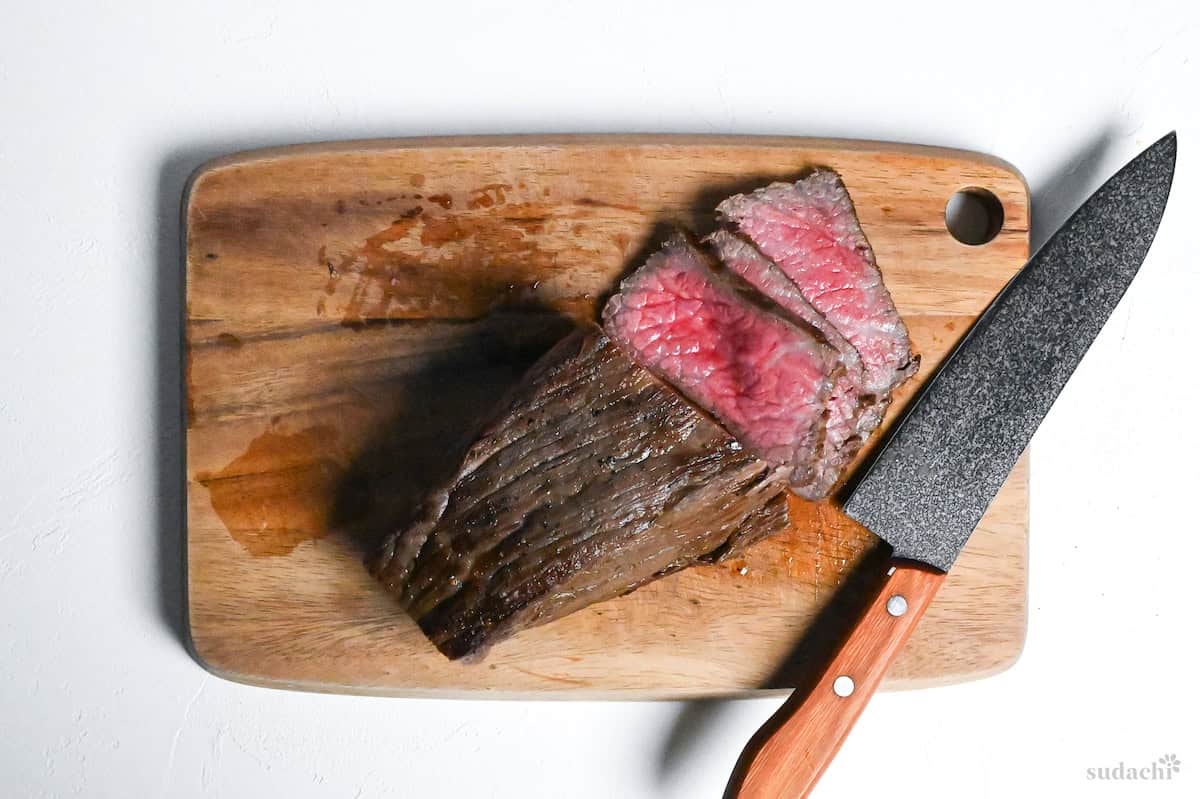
(974, 216)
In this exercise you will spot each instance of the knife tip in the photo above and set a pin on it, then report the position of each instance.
(1162, 153)
(1170, 143)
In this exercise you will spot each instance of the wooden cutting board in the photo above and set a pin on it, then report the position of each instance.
(353, 309)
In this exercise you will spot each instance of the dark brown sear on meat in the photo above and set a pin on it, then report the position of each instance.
(593, 479)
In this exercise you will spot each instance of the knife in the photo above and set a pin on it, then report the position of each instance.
(935, 475)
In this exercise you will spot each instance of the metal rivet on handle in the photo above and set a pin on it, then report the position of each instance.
(897, 605)
(843, 686)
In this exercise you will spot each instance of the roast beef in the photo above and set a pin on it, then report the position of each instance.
(853, 412)
(810, 231)
(671, 436)
(766, 379)
(594, 477)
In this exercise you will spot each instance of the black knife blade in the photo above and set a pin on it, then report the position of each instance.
(934, 477)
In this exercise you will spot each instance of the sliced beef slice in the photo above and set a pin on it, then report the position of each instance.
(853, 413)
(592, 479)
(810, 231)
(766, 379)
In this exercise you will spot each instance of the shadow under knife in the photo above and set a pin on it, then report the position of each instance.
(1055, 197)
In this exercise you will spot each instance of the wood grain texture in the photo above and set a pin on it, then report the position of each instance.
(787, 757)
(352, 311)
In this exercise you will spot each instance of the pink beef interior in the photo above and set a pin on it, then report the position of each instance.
(851, 418)
(810, 231)
(766, 379)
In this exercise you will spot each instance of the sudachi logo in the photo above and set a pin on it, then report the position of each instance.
(1164, 768)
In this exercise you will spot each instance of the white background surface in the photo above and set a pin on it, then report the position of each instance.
(104, 110)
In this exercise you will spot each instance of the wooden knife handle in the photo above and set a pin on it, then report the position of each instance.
(789, 753)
